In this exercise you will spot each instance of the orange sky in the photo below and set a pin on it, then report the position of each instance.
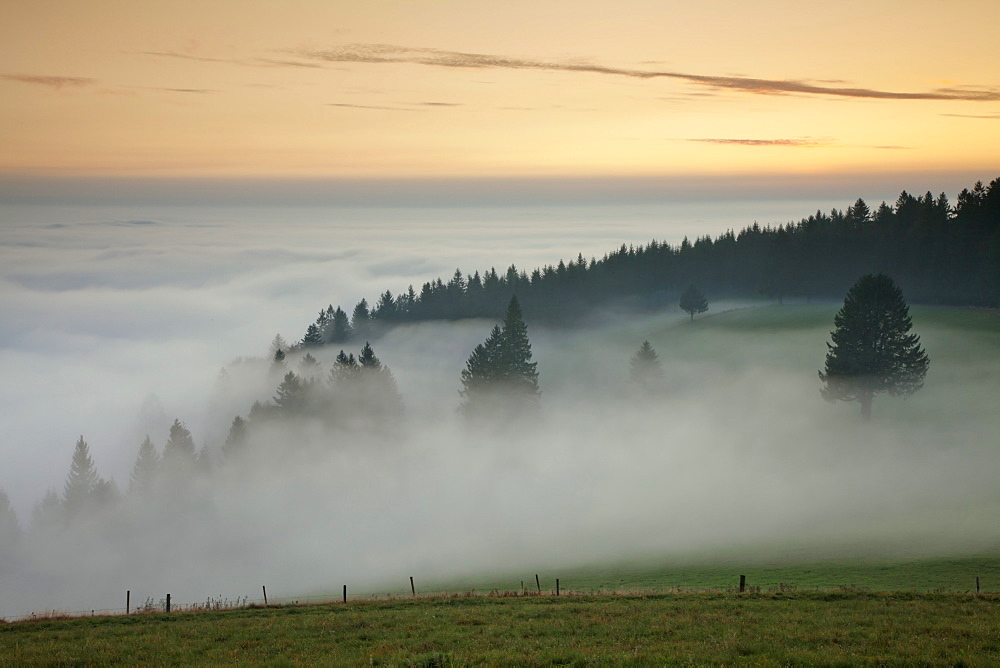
(457, 88)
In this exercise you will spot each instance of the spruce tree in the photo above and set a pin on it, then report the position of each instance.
(872, 350)
(290, 399)
(79, 488)
(179, 451)
(361, 320)
(236, 439)
(339, 327)
(313, 337)
(10, 528)
(147, 464)
(47, 513)
(499, 377)
(644, 367)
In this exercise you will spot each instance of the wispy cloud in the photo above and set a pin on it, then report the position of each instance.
(52, 81)
(367, 106)
(186, 56)
(991, 117)
(387, 53)
(440, 104)
(799, 143)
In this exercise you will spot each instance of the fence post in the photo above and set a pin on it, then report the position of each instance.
(264, 587)
(743, 583)
(168, 603)
(345, 593)
(977, 584)
(413, 590)
(538, 585)
(557, 586)
(128, 600)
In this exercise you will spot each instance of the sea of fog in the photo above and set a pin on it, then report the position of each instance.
(110, 309)
(117, 320)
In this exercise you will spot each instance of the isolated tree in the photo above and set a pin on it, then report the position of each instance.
(147, 464)
(79, 488)
(500, 374)
(644, 367)
(872, 351)
(693, 301)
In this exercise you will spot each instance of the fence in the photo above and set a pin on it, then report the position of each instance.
(166, 605)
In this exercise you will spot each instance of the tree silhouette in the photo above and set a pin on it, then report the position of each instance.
(693, 301)
(644, 367)
(147, 464)
(499, 376)
(179, 451)
(236, 439)
(79, 488)
(872, 350)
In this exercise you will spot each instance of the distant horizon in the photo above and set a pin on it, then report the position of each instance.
(474, 191)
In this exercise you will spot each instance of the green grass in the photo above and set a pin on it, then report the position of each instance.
(828, 628)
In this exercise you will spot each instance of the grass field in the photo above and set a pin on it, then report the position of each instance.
(827, 628)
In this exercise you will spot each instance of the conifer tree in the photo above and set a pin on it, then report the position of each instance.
(10, 528)
(179, 450)
(693, 301)
(309, 368)
(236, 439)
(145, 469)
(361, 320)
(277, 343)
(339, 330)
(79, 488)
(872, 350)
(47, 513)
(644, 367)
(313, 337)
(344, 369)
(499, 376)
(291, 397)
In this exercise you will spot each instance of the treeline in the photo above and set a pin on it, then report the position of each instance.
(937, 252)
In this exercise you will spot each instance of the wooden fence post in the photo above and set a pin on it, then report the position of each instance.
(345, 593)
(413, 590)
(168, 602)
(557, 586)
(128, 600)
(743, 583)
(538, 585)
(977, 584)
(264, 588)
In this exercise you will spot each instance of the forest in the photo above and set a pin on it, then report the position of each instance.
(938, 253)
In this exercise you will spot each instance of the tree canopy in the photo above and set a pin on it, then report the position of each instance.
(693, 301)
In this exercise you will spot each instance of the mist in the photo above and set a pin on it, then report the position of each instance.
(120, 321)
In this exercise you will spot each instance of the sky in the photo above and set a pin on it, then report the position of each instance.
(319, 91)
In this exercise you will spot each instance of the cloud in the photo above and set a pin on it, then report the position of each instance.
(367, 106)
(991, 117)
(441, 104)
(196, 91)
(184, 56)
(387, 53)
(53, 81)
(800, 143)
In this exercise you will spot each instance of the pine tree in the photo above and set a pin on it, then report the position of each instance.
(179, 450)
(291, 397)
(344, 369)
(10, 528)
(361, 320)
(872, 350)
(79, 488)
(339, 329)
(47, 513)
(277, 343)
(145, 469)
(499, 376)
(644, 367)
(309, 368)
(693, 301)
(313, 337)
(236, 439)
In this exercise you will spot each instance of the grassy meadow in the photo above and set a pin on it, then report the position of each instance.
(819, 628)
